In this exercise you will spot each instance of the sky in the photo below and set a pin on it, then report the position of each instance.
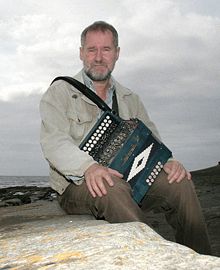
(170, 56)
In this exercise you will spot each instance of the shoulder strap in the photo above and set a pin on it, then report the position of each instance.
(86, 91)
(115, 108)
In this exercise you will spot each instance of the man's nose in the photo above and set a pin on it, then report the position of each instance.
(99, 55)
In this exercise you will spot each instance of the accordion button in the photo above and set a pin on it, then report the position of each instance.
(149, 184)
(84, 148)
(148, 181)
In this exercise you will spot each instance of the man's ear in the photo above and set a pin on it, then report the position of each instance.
(81, 53)
(118, 52)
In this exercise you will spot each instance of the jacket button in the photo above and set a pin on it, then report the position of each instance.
(74, 96)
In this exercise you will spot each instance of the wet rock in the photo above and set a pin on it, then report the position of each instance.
(25, 195)
(13, 202)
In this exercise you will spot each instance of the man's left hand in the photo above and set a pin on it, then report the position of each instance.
(176, 172)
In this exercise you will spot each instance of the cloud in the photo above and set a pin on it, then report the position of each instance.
(156, 39)
(172, 50)
(19, 137)
(39, 50)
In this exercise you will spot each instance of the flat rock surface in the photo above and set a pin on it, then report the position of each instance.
(80, 242)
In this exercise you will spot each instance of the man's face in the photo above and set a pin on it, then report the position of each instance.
(99, 55)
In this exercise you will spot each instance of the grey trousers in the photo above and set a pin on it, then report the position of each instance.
(178, 201)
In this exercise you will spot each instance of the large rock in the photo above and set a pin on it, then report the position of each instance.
(41, 236)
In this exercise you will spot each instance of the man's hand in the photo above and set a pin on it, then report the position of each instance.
(176, 172)
(95, 176)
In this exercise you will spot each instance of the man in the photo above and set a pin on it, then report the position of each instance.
(83, 185)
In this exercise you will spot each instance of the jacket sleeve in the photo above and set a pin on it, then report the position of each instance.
(57, 144)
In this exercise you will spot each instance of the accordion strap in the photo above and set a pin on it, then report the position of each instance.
(87, 92)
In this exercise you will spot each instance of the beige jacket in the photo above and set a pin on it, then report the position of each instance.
(67, 116)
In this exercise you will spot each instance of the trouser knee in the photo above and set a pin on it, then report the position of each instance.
(117, 205)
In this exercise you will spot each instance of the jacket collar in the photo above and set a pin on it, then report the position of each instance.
(121, 91)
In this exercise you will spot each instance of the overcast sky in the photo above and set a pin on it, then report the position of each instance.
(170, 56)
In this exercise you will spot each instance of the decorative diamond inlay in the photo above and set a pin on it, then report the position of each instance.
(139, 162)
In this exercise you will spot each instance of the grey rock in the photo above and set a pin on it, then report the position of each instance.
(14, 201)
(54, 240)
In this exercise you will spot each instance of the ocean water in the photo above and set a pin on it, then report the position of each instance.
(12, 181)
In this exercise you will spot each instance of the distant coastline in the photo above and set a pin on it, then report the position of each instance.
(13, 181)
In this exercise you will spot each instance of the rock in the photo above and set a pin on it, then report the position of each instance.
(39, 210)
(14, 202)
(59, 241)
(40, 235)
(26, 194)
(208, 190)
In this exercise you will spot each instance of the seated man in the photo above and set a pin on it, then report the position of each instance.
(83, 185)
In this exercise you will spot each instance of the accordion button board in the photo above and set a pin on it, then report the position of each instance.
(129, 147)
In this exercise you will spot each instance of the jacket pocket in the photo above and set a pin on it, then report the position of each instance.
(79, 125)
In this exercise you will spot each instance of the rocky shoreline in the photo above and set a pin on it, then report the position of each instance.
(19, 195)
(208, 190)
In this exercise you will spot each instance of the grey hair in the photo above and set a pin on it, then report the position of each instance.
(100, 26)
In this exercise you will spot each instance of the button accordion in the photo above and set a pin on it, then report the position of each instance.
(127, 146)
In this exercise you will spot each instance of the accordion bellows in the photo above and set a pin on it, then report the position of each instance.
(129, 147)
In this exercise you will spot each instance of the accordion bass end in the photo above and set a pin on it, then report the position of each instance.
(129, 147)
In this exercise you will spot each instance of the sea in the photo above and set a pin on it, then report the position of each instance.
(13, 181)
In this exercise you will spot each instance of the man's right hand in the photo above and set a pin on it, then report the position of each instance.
(95, 176)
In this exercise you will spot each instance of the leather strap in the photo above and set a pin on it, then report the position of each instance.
(89, 94)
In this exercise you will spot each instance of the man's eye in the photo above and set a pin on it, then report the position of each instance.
(92, 50)
(107, 49)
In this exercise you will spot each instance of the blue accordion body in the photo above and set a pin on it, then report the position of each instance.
(129, 147)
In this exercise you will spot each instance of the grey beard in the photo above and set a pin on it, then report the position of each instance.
(98, 77)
